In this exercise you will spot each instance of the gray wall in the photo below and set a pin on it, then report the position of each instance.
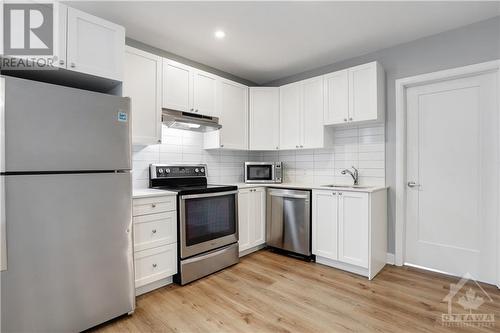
(163, 53)
(475, 43)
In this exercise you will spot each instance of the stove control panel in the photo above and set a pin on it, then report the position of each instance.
(177, 171)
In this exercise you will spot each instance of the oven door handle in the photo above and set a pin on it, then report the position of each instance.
(207, 195)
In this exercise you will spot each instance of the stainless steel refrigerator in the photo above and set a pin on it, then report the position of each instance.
(66, 194)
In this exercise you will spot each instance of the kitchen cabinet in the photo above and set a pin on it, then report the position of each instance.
(232, 103)
(188, 89)
(155, 241)
(94, 46)
(355, 95)
(349, 230)
(142, 83)
(301, 115)
(264, 118)
(251, 219)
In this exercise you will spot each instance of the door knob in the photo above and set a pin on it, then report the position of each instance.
(413, 184)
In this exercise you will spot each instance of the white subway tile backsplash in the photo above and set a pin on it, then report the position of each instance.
(363, 147)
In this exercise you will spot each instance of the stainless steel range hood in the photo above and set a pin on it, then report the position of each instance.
(189, 121)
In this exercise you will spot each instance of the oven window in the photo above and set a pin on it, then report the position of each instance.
(209, 218)
(259, 172)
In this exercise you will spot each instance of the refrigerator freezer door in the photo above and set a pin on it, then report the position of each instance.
(69, 252)
(55, 128)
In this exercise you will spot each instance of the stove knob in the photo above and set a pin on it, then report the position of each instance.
(202, 170)
(196, 170)
(160, 171)
(167, 170)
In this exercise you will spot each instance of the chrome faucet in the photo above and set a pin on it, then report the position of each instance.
(354, 175)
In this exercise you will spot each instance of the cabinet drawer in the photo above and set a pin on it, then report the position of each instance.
(153, 205)
(155, 230)
(155, 264)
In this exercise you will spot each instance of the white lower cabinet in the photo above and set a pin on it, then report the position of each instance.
(349, 230)
(251, 219)
(155, 242)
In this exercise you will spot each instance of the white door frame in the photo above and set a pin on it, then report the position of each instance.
(401, 86)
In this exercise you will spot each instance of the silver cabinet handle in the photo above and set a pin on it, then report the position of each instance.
(61, 62)
(296, 146)
(197, 110)
(413, 184)
(277, 147)
(334, 193)
(340, 193)
(153, 205)
(155, 265)
(350, 119)
(345, 119)
(73, 65)
(222, 146)
(301, 146)
(191, 109)
(153, 231)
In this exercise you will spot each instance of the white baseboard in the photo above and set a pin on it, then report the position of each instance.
(153, 285)
(252, 249)
(390, 258)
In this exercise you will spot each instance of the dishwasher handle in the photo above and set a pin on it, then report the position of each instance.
(286, 195)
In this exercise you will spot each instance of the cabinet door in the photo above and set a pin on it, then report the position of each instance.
(232, 102)
(95, 46)
(204, 93)
(244, 219)
(325, 224)
(258, 216)
(142, 83)
(363, 92)
(290, 110)
(264, 117)
(336, 98)
(176, 86)
(353, 228)
(312, 113)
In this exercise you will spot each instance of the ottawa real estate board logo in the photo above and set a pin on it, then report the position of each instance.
(28, 36)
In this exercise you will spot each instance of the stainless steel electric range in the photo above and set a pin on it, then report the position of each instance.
(207, 219)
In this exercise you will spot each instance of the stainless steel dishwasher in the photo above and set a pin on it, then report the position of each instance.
(288, 220)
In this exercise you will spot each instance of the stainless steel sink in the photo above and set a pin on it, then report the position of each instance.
(347, 186)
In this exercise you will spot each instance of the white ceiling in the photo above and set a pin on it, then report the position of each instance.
(266, 41)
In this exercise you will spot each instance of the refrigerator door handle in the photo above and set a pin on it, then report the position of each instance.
(3, 232)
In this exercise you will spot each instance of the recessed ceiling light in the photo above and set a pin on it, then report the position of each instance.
(219, 34)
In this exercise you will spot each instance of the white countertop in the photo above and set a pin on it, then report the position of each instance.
(150, 192)
(367, 189)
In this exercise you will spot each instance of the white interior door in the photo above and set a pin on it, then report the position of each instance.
(452, 157)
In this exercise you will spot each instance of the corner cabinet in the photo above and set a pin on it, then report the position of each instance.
(355, 95)
(251, 219)
(264, 118)
(188, 89)
(94, 46)
(349, 230)
(142, 83)
(232, 104)
(301, 115)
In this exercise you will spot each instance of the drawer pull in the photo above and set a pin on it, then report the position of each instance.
(154, 265)
(153, 231)
(153, 205)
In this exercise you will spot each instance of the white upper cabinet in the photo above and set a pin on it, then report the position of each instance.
(232, 103)
(264, 118)
(142, 83)
(356, 94)
(204, 93)
(94, 46)
(290, 116)
(336, 97)
(188, 89)
(312, 113)
(177, 86)
(301, 114)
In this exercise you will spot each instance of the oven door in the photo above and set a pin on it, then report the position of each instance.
(207, 221)
(259, 172)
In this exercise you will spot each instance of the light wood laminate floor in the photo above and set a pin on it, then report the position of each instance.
(268, 292)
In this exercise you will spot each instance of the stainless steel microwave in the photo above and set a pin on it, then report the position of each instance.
(263, 172)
